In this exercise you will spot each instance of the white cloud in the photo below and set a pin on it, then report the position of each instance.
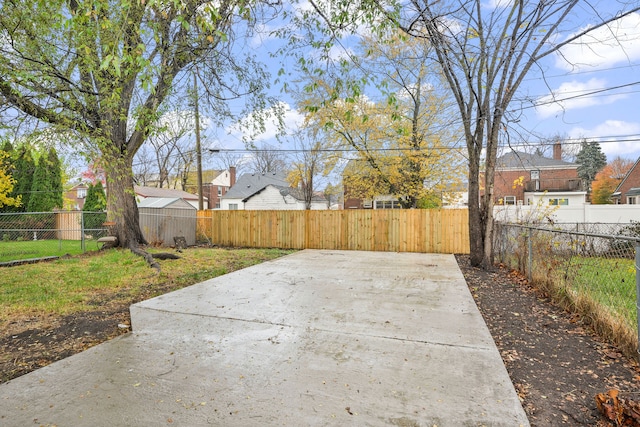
(291, 118)
(493, 4)
(603, 47)
(568, 96)
(610, 129)
(263, 35)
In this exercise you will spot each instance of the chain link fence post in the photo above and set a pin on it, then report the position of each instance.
(530, 256)
(638, 291)
(82, 239)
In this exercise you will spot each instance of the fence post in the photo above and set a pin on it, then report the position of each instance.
(530, 257)
(638, 291)
(82, 244)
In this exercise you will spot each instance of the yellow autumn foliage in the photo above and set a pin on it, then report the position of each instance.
(6, 183)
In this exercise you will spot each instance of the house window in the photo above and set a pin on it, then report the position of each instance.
(233, 206)
(559, 202)
(217, 205)
(509, 200)
(219, 191)
(82, 193)
(388, 204)
(535, 174)
(631, 200)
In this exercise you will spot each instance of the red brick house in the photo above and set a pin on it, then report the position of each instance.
(75, 197)
(525, 179)
(215, 184)
(628, 191)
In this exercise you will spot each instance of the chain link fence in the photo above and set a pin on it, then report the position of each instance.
(49, 234)
(589, 269)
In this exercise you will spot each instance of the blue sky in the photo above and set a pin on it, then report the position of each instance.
(595, 85)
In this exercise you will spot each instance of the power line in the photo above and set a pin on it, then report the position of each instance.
(577, 73)
(594, 92)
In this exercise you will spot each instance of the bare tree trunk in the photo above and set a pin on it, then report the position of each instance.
(121, 202)
(476, 225)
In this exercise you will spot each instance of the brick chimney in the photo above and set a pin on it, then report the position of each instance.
(557, 151)
(232, 172)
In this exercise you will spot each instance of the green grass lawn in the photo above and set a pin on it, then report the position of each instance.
(609, 281)
(17, 250)
(96, 280)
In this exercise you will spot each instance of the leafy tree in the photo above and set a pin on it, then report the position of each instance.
(94, 173)
(94, 206)
(404, 147)
(485, 54)
(102, 69)
(608, 179)
(333, 193)
(96, 200)
(6, 182)
(21, 167)
(591, 160)
(309, 163)
(46, 189)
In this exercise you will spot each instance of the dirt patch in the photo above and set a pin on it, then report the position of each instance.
(556, 363)
(31, 343)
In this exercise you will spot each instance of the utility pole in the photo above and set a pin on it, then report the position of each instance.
(198, 148)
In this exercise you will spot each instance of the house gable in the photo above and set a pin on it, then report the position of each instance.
(273, 197)
(628, 189)
(247, 185)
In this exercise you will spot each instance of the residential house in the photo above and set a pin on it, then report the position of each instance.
(526, 179)
(75, 197)
(628, 191)
(274, 197)
(268, 191)
(351, 201)
(216, 184)
(454, 196)
(164, 193)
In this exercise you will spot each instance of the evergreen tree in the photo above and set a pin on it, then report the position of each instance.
(96, 200)
(94, 207)
(46, 189)
(591, 160)
(22, 172)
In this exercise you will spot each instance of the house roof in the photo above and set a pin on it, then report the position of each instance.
(296, 193)
(624, 179)
(251, 183)
(164, 193)
(165, 202)
(520, 160)
(633, 192)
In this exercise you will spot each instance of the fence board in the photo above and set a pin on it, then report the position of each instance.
(412, 230)
(68, 225)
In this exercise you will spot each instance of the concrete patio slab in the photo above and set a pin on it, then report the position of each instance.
(317, 338)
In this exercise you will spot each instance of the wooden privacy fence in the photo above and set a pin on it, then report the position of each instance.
(397, 230)
(68, 225)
